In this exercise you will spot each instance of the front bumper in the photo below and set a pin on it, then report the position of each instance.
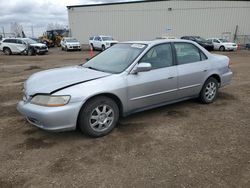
(74, 47)
(231, 48)
(51, 118)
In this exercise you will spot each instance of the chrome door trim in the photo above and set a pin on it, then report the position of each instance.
(187, 87)
(153, 94)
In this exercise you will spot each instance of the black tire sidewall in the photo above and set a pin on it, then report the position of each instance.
(7, 50)
(202, 93)
(222, 48)
(85, 113)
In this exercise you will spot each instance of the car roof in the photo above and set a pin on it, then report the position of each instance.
(154, 42)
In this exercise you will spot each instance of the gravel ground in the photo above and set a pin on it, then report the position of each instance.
(182, 145)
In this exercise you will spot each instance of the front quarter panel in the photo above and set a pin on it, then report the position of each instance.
(114, 84)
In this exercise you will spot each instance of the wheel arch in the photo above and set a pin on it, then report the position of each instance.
(215, 76)
(6, 47)
(109, 95)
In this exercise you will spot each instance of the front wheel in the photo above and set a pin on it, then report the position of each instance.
(98, 117)
(209, 91)
(222, 48)
(30, 52)
(103, 48)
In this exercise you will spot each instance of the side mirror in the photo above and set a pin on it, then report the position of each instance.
(142, 67)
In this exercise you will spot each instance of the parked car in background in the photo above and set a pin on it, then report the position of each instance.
(223, 44)
(127, 78)
(101, 42)
(201, 41)
(248, 46)
(69, 43)
(25, 46)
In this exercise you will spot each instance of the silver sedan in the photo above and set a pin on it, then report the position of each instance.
(126, 78)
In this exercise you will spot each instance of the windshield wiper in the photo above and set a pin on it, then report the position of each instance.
(92, 68)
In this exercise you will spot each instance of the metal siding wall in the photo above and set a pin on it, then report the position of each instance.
(145, 21)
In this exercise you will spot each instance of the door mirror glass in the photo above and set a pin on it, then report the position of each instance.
(142, 67)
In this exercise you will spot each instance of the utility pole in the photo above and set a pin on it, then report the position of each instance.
(32, 30)
(3, 31)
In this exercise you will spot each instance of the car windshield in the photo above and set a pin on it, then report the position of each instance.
(71, 40)
(223, 40)
(107, 38)
(116, 59)
(29, 41)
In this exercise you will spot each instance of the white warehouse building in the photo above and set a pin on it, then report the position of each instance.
(146, 20)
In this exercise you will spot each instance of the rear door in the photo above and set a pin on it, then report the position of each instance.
(20, 45)
(156, 86)
(192, 69)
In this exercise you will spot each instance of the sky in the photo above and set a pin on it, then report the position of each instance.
(37, 14)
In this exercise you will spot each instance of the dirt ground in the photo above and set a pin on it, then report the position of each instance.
(182, 145)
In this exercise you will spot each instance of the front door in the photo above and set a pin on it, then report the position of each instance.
(159, 85)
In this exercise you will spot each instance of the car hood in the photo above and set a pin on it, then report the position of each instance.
(53, 80)
(38, 45)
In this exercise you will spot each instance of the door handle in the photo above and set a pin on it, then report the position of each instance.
(204, 70)
(170, 77)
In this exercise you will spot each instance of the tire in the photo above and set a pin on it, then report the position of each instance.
(103, 48)
(62, 49)
(222, 48)
(92, 46)
(209, 91)
(66, 49)
(7, 51)
(30, 52)
(98, 117)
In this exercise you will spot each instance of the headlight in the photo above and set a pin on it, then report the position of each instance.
(50, 100)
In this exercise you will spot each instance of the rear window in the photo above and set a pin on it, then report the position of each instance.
(91, 38)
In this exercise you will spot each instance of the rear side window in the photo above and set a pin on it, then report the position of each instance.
(159, 56)
(188, 53)
(10, 40)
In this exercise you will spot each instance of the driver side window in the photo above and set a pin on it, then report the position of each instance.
(159, 56)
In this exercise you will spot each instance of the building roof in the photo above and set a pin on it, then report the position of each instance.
(116, 3)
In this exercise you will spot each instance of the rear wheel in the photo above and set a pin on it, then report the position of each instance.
(7, 51)
(98, 117)
(222, 48)
(209, 91)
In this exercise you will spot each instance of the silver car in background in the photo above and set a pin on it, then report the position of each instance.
(126, 78)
